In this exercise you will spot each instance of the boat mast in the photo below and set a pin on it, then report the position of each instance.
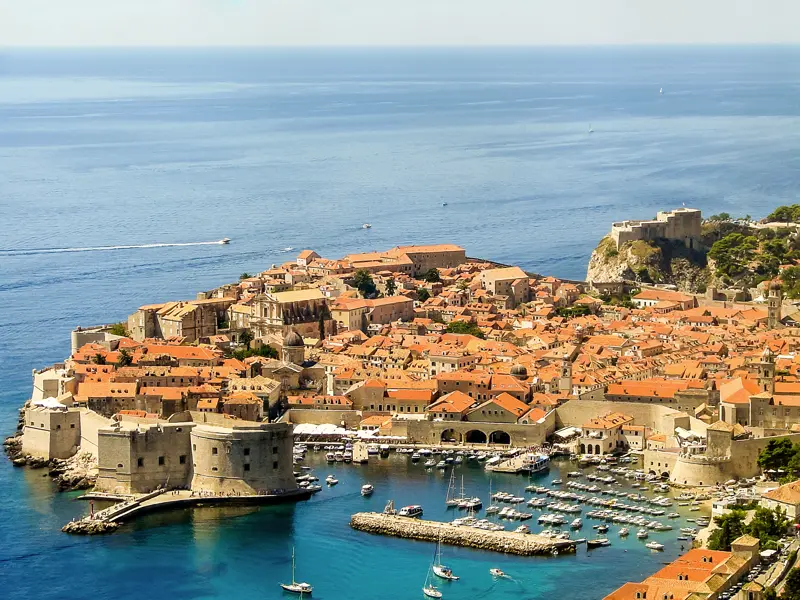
(293, 582)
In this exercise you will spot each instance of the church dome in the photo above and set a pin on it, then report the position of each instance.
(519, 371)
(293, 340)
(774, 285)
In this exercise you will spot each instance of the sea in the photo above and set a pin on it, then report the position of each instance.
(119, 166)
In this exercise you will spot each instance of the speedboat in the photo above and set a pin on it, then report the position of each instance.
(367, 489)
(225, 241)
(331, 480)
(654, 545)
(330, 457)
(415, 457)
(430, 463)
(597, 543)
(576, 524)
(642, 534)
(497, 573)
(624, 531)
(368, 226)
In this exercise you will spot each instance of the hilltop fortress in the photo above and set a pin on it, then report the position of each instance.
(681, 224)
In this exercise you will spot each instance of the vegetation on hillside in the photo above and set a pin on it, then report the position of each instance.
(265, 351)
(120, 329)
(785, 214)
(362, 280)
(781, 455)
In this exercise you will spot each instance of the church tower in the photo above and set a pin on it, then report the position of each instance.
(565, 379)
(765, 373)
(774, 306)
(293, 349)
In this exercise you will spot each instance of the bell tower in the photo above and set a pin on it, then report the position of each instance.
(765, 373)
(774, 306)
(565, 378)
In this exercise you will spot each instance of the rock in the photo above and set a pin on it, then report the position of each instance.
(35, 462)
(89, 527)
(19, 462)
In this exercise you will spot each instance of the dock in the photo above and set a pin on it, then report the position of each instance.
(523, 544)
(109, 518)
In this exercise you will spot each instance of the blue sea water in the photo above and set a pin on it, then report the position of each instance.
(297, 148)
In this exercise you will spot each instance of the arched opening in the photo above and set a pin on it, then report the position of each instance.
(589, 448)
(499, 437)
(664, 475)
(651, 472)
(583, 448)
(597, 449)
(475, 436)
(451, 435)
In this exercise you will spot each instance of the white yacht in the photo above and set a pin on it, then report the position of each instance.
(367, 489)
(413, 511)
(654, 546)
(439, 569)
(642, 534)
(296, 586)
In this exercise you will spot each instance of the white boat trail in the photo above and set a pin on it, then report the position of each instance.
(30, 251)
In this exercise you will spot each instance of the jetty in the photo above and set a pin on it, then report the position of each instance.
(523, 544)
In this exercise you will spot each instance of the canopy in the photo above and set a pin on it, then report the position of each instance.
(50, 402)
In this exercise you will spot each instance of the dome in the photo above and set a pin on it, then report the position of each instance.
(519, 371)
(774, 285)
(293, 340)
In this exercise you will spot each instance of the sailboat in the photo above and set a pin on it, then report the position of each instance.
(451, 501)
(430, 590)
(492, 508)
(296, 587)
(590, 128)
(660, 91)
(438, 568)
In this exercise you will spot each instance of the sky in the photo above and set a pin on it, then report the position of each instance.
(396, 22)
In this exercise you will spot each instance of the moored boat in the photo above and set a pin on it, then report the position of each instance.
(297, 587)
(367, 489)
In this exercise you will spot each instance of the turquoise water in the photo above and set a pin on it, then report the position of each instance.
(282, 148)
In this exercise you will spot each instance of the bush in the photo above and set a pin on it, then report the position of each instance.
(119, 329)
(465, 328)
(265, 351)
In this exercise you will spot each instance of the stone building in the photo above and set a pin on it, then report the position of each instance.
(51, 432)
(682, 224)
(299, 310)
(604, 435)
(507, 281)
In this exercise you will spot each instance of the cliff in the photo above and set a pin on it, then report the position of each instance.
(649, 262)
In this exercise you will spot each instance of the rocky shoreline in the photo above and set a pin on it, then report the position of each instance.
(432, 531)
(89, 527)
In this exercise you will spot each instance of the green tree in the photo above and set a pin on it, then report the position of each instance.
(246, 337)
(776, 454)
(265, 351)
(323, 315)
(791, 282)
(791, 586)
(465, 327)
(125, 359)
(462, 285)
(785, 214)
(391, 286)
(723, 216)
(733, 253)
(99, 359)
(119, 329)
(768, 525)
(423, 294)
(431, 275)
(363, 282)
(730, 527)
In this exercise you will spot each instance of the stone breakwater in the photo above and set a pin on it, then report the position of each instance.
(89, 527)
(524, 544)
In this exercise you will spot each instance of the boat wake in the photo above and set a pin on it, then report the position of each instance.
(30, 251)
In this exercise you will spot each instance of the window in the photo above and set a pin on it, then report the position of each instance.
(274, 449)
(194, 446)
(247, 467)
(247, 451)
(72, 426)
(182, 459)
(214, 450)
(58, 426)
(119, 465)
(274, 464)
(139, 462)
(160, 461)
(214, 468)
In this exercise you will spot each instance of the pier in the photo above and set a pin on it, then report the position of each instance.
(523, 544)
(109, 519)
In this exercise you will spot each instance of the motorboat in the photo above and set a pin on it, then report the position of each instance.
(624, 532)
(642, 534)
(576, 524)
(522, 529)
(414, 511)
(497, 573)
(654, 545)
(367, 489)
(297, 587)
(369, 226)
(597, 543)
(441, 465)
(430, 463)
(330, 457)
(331, 480)
(225, 241)
(557, 482)
(415, 457)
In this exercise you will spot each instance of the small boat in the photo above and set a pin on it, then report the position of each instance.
(497, 573)
(642, 534)
(441, 465)
(597, 543)
(590, 129)
(430, 590)
(654, 545)
(367, 489)
(331, 480)
(288, 248)
(330, 457)
(624, 531)
(369, 226)
(602, 528)
(296, 587)
(576, 524)
(225, 241)
(430, 463)
(557, 482)
(415, 458)
(413, 511)
(660, 91)
(683, 538)
(444, 203)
